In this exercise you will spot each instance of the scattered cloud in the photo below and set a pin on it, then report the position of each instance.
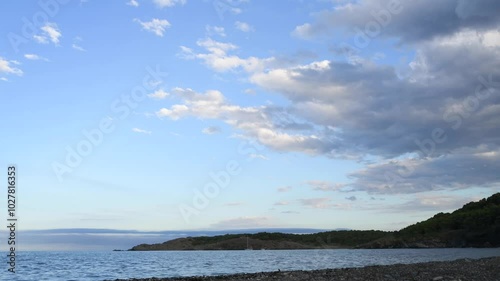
(78, 47)
(284, 188)
(443, 112)
(256, 122)
(219, 60)
(141, 131)
(290, 212)
(316, 203)
(50, 31)
(41, 39)
(426, 202)
(76, 44)
(133, 3)
(258, 156)
(351, 198)
(243, 223)
(281, 203)
(34, 57)
(324, 185)
(6, 67)
(234, 204)
(211, 130)
(243, 26)
(159, 94)
(4, 79)
(215, 30)
(156, 26)
(249, 91)
(169, 3)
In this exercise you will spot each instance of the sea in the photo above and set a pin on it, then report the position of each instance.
(98, 266)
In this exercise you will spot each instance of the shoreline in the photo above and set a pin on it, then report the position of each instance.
(484, 269)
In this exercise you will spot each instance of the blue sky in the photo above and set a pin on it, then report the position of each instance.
(310, 114)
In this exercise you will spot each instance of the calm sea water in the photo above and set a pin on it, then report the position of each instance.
(59, 266)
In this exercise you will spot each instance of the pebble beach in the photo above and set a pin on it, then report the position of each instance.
(486, 269)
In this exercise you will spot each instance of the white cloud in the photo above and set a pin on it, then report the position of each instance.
(133, 3)
(243, 26)
(218, 58)
(159, 94)
(5, 67)
(281, 203)
(169, 3)
(217, 30)
(258, 156)
(249, 91)
(284, 189)
(211, 130)
(78, 48)
(303, 31)
(255, 122)
(50, 31)
(4, 79)
(243, 223)
(141, 131)
(324, 185)
(156, 26)
(41, 39)
(34, 57)
(317, 203)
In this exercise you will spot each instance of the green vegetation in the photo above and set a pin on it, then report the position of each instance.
(476, 224)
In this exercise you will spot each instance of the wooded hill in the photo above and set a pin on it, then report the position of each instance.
(476, 224)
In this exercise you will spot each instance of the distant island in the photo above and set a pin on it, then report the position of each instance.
(476, 224)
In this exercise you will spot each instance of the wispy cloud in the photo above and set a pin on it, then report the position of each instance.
(34, 57)
(317, 203)
(215, 30)
(324, 185)
(137, 130)
(243, 26)
(258, 156)
(78, 47)
(169, 3)
(156, 26)
(285, 188)
(243, 222)
(234, 204)
(211, 130)
(133, 3)
(281, 203)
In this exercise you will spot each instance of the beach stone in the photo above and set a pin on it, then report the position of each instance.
(487, 269)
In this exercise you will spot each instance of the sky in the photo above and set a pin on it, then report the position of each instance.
(184, 115)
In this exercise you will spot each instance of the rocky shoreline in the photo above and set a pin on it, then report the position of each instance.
(486, 269)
